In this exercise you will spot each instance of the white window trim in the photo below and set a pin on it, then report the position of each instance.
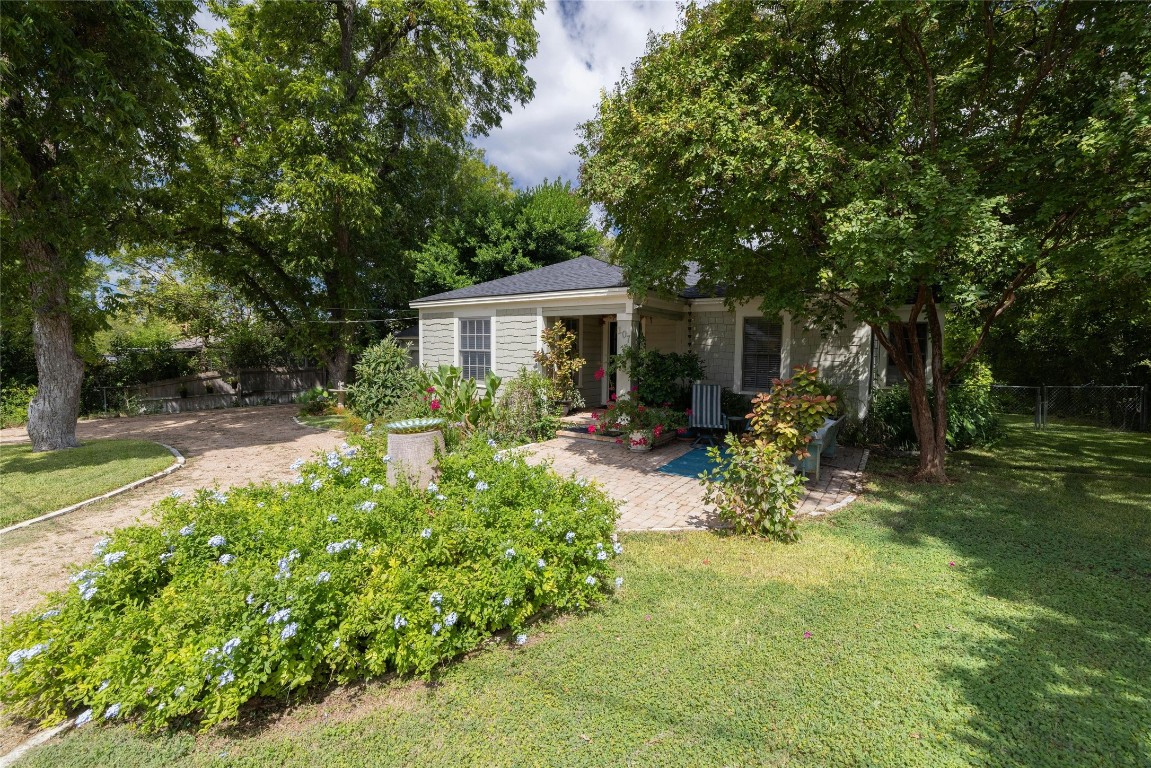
(741, 314)
(457, 353)
(420, 322)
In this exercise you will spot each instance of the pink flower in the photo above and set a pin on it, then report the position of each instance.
(952, 564)
(434, 404)
(635, 387)
(807, 635)
(619, 441)
(658, 430)
(599, 374)
(591, 428)
(687, 412)
(613, 396)
(430, 389)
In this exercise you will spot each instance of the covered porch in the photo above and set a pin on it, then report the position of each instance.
(602, 330)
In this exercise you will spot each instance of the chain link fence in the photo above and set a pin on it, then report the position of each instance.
(1116, 407)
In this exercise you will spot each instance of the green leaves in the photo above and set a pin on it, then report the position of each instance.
(332, 146)
(754, 487)
(384, 375)
(835, 159)
(264, 589)
(559, 362)
(495, 232)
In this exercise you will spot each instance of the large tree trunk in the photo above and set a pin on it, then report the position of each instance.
(930, 430)
(53, 412)
(336, 362)
(930, 423)
(932, 466)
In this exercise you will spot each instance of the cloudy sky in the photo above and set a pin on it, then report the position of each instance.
(583, 48)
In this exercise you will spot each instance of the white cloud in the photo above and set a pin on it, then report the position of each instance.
(583, 48)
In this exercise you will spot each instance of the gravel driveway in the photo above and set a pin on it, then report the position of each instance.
(233, 446)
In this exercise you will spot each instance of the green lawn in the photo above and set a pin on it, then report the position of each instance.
(33, 484)
(1004, 620)
(327, 421)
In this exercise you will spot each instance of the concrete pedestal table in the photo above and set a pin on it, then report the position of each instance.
(412, 445)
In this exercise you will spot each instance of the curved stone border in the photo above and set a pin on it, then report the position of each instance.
(34, 741)
(123, 489)
(855, 485)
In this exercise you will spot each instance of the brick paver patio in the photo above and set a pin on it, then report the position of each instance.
(654, 501)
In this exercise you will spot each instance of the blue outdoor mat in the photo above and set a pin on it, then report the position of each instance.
(691, 464)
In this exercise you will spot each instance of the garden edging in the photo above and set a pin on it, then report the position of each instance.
(115, 492)
(34, 741)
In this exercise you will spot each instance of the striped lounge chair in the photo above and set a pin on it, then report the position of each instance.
(706, 413)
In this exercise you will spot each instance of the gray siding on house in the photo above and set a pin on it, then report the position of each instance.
(666, 335)
(713, 339)
(516, 334)
(841, 358)
(437, 331)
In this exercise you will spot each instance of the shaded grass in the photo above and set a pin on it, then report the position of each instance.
(1032, 649)
(1062, 447)
(344, 422)
(33, 484)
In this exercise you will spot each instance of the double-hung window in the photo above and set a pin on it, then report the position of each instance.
(762, 352)
(903, 331)
(475, 347)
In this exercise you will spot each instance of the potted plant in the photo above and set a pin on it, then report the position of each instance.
(560, 364)
(641, 427)
(412, 445)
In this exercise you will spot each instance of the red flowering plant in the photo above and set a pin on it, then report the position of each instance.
(626, 415)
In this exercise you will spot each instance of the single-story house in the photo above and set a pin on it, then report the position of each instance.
(497, 326)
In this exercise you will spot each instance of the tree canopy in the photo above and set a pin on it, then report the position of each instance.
(1087, 327)
(844, 160)
(333, 136)
(94, 101)
(495, 233)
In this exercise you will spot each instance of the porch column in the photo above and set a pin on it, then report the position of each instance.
(624, 335)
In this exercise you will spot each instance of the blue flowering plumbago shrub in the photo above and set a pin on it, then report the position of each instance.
(265, 589)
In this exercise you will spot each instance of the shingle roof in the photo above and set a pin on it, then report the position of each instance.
(579, 274)
(692, 290)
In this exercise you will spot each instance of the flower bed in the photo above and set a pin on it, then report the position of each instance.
(637, 426)
(264, 589)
